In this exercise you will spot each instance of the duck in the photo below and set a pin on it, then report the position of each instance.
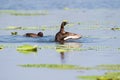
(62, 35)
(40, 34)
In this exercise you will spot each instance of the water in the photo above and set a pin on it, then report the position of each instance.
(58, 4)
(92, 19)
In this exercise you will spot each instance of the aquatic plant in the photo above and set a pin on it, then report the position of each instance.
(106, 76)
(88, 77)
(54, 66)
(26, 14)
(13, 28)
(13, 33)
(23, 12)
(27, 47)
(108, 67)
(27, 51)
(79, 23)
(115, 28)
(1, 47)
(43, 27)
(66, 8)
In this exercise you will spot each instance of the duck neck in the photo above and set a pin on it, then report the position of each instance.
(62, 29)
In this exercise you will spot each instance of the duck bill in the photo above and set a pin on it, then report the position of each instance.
(72, 36)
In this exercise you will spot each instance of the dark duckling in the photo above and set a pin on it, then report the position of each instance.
(62, 35)
(40, 34)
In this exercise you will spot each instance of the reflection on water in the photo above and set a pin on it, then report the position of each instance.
(65, 48)
(27, 52)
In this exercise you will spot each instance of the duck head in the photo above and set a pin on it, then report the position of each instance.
(40, 34)
(62, 26)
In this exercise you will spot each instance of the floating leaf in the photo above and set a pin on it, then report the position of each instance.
(66, 8)
(106, 76)
(1, 47)
(24, 13)
(26, 52)
(13, 33)
(109, 67)
(27, 47)
(116, 28)
(13, 28)
(54, 66)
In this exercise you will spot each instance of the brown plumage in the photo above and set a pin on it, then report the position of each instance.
(40, 34)
(62, 36)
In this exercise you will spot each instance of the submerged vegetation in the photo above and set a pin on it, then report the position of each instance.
(109, 67)
(67, 47)
(42, 27)
(23, 12)
(63, 66)
(54, 66)
(106, 76)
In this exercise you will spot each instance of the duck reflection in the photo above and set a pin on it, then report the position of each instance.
(64, 48)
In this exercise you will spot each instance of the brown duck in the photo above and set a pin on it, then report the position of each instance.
(40, 34)
(62, 35)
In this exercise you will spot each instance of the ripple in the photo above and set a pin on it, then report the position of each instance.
(46, 39)
(17, 39)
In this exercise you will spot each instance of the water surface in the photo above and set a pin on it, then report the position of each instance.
(99, 44)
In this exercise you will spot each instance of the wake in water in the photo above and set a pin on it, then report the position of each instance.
(17, 39)
(46, 39)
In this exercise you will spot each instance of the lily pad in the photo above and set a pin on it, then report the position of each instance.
(27, 47)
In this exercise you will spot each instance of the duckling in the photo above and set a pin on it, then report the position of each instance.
(40, 34)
